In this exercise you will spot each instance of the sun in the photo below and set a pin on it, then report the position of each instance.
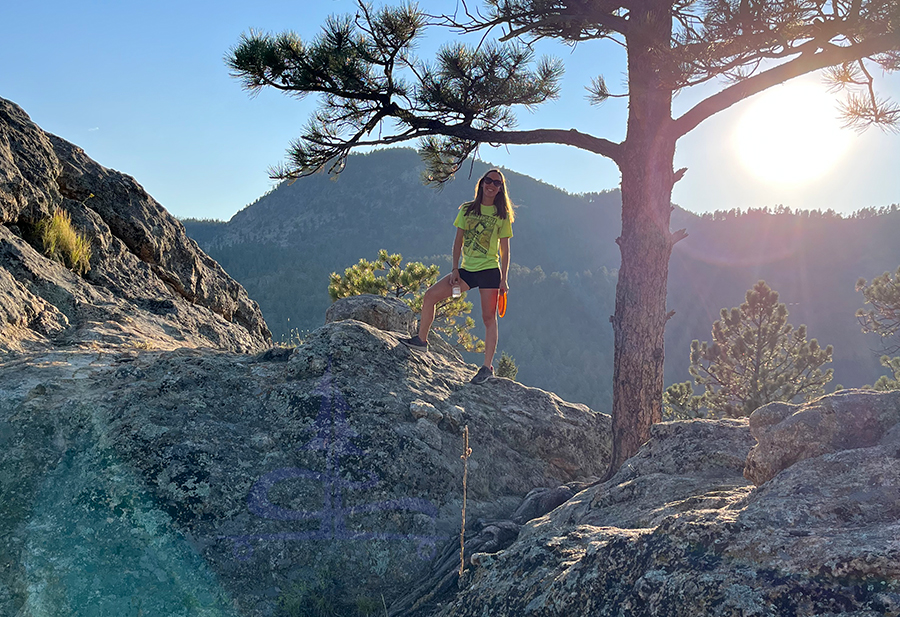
(791, 134)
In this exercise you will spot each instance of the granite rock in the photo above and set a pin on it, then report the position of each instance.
(381, 312)
(788, 433)
(220, 479)
(149, 285)
(678, 531)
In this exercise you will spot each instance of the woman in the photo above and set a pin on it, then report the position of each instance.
(483, 230)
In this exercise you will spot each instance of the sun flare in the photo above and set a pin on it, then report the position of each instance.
(791, 134)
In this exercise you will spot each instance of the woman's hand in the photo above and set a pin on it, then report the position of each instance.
(454, 277)
(504, 286)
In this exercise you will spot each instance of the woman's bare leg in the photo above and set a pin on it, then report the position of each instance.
(489, 315)
(434, 295)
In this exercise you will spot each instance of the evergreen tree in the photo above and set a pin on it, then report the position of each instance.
(386, 276)
(756, 357)
(507, 367)
(883, 318)
(375, 91)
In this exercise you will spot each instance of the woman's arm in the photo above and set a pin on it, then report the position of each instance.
(504, 263)
(457, 253)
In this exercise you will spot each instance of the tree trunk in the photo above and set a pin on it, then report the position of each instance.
(646, 243)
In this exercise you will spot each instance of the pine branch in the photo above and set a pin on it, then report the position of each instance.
(805, 63)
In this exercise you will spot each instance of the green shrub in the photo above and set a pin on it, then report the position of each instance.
(62, 243)
(386, 277)
(680, 403)
(507, 367)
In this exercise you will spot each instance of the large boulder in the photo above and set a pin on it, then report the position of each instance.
(849, 419)
(149, 285)
(384, 313)
(192, 480)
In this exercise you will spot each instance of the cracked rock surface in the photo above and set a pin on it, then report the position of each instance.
(149, 286)
(679, 530)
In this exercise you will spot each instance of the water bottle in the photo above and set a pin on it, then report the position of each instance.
(457, 292)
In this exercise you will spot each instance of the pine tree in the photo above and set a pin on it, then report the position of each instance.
(756, 357)
(883, 318)
(386, 276)
(374, 90)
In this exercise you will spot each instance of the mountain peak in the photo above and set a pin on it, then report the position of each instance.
(143, 284)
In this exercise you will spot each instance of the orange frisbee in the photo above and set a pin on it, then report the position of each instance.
(501, 304)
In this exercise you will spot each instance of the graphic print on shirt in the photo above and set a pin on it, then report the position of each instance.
(477, 236)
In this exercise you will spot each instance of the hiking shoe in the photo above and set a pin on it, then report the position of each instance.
(415, 343)
(483, 374)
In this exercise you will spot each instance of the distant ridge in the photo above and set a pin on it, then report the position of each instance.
(282, 247)
(380, 195)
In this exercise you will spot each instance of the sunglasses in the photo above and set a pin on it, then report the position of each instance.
(494, 182)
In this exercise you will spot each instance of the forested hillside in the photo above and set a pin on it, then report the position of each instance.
(813, 259)
(283, 246)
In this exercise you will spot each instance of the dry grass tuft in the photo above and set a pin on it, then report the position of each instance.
(62, 243)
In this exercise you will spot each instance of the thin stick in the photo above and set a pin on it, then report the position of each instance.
(467, 451)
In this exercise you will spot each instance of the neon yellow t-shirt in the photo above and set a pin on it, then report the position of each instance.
(481, 237)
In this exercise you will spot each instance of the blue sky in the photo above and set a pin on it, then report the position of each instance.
(143, 88)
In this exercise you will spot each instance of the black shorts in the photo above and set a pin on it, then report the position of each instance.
(486, 279)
